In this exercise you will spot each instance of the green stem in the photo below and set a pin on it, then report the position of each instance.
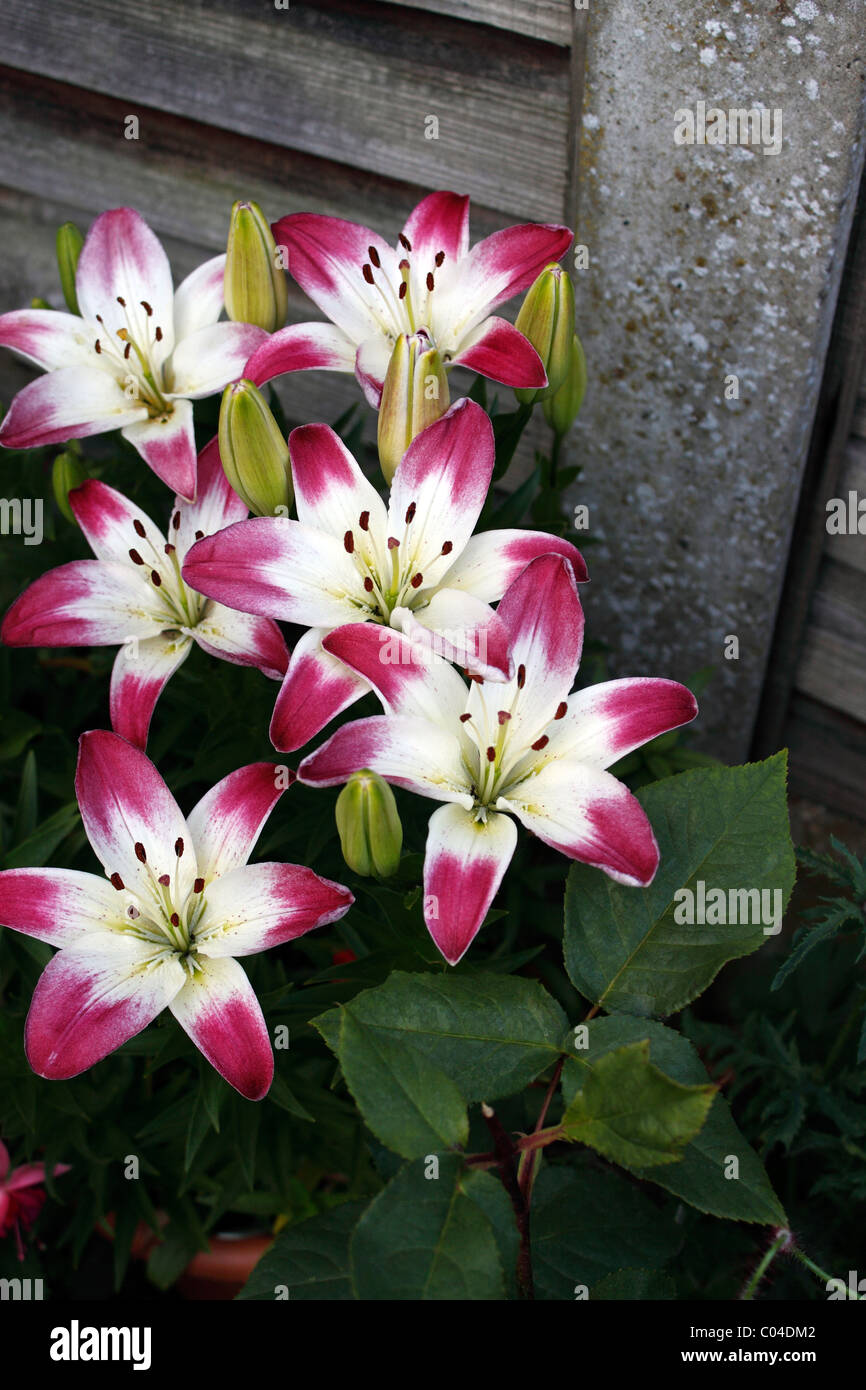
(782, 1239)
(820, 1273)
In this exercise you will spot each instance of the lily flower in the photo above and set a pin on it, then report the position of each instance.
(133, 594)
(527, 749)
(21, 1195)
(179, 903)
(135, 359)
(413, 566)
(373, 293)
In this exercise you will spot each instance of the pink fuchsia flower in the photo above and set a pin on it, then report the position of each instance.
(133, 593)
(137, 356)
(21, 1195)
(413, 566)
(180, 903)
(372, 293)
(526, 749)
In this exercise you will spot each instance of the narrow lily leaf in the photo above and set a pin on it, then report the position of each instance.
(425, 1237)
(705, 1176)
(719, 830)
(628, 1110)
(33, 851)
(27, 808)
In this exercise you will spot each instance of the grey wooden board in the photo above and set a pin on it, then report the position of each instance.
(827, 756)
(851, 549)
(355, 84)
(832, 666)
(539, 19)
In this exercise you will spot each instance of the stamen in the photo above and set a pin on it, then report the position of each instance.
(368, 584)
(126, 351)
(349, 542)
(98, 346)
(169, 548)
(198, 886)
(116, 882)
(139, 852)
(503, 716)
(440, 256)
(165, 880)
(464, 717)
(401, 293)
(156, 578)
(146, 307)
(158, 334)
(175, 521)
(404, 241)
(368, 275)
(121, 301)
(541, 743)
(374, 256)
(447, 547)
(393, 544)
(404, 265)
(174, 919)
(133, 912)
(410, 512)
(178, 847)
(521, 676)
(431, 284)
(417, 580)
(139, 529)
(135, 557)
(364, 521)
(199, 535)
(561, 710)
(491, 755)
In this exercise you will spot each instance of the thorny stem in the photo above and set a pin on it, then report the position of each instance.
(505, 1152)
(783, 1239)
(529, 1162)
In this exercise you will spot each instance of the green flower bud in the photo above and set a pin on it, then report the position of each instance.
(37, 302)
(69, 244)
(415, 395)
(371, 835)
(546, 318)
(254, 282)
(562, 408)
(255, 456)
(68, 472)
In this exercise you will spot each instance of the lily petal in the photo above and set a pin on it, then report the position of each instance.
(263, 905)
(244, 639)
(606, 721)
(463, 629)
(279, 569)
(503, 264)
(87, 603)
(58, 905)
(32, 1175)
(220, 1012)
(327, 256)
(301, 347)
(332, 494)
(131, 818)
(71, 403)
(588, 815)
(440, 222)
(216, 504)
(410, 752)
(48, 338)
(198, 300)
(464, 864)
(92, 997)
(316, 689)
(122, 259)
(408, 677)
(228, 820)
(211, 357)
(112, 524)
(492, 560)
(371, 367)
(139, 675)
(167, 445)
(496, 349)
(439, 488)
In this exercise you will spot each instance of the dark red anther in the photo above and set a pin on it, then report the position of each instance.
(98, 345)
(561, 710)
(121, 301)
(491, 755)
(440, 256)
(155, 577)
(410, 512)
(368, 275)
(447, 547)
(135, 557)
(404, 241)
(416, 581)
(139, 852)
(175, 521)
(368, 584)
(521, 677)
(401, 293)
(364, 521)
(199, 535)
(174, 919)
(374, 256)
(198, 886)
(349, 542)
(430, 281)
(541, 743)
(178, 847)
(503, 716)
(139, 528)
(116, 882)
(146, 307)
(464, 717)
(158, 334)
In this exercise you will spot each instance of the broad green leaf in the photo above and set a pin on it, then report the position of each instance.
(723, 827)
(589, 1222)
(699, 1178)
(426, 1237)
(635, 1284)
(633, 1113)
(491, 1034)
(309, 1260)
(412, 1106)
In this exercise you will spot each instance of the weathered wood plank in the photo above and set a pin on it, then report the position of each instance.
(538, 19)
(851, 549)
(827, 756)
(832, 665)
(355, 83)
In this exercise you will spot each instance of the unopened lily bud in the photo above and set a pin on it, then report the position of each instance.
(255, 456)
(415, 394)
(254, 282)
(68, 472)
(546, 318)
(69, 244)
(562, 408)
(371, 835)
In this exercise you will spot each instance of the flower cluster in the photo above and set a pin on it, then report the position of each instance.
(470, 637)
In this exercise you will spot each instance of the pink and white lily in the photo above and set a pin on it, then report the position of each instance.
(135, 359)
(180, 902)
(22, 1195)
(527, 749)
(413, 566)
(373, 292)
(133, 593)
